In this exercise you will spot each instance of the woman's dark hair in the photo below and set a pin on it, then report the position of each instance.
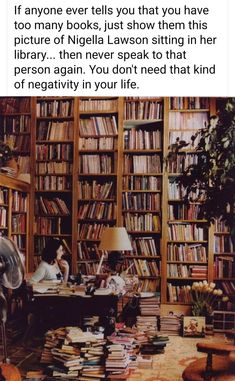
(49, 252)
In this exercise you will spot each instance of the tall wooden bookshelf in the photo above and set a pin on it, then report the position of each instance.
(142, 160)
(15, 120)
(97, 181)
(14, 213)
(53, 147)
(187, 241)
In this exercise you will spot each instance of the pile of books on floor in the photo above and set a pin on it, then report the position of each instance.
(70, 352)
(156, 344)
(170, 325)
(118, 360)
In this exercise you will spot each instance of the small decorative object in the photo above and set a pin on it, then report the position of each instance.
(194, 326)
(5, 154)
(204, 297)
(8, 164)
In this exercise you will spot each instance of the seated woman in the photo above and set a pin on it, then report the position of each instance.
(52, 265)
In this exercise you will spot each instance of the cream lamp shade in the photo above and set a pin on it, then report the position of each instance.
(115, 239)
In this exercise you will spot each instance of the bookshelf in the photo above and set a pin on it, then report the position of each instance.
(142, 158)
(53, 143)
(99, 123)
(99, 161)
(224, 273)
(15, 119)
(187, 241)
(14, 213)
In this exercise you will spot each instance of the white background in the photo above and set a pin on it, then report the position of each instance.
(220, 23)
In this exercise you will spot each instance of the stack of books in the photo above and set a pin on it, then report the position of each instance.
(170, 325)
(149, 306)
(118, 360)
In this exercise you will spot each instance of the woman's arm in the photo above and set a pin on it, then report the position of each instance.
(38, 275)
(64, 266)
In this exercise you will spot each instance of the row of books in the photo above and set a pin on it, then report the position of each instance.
(142, 164)
(45, 225)
(15, 125)
(53, 167)
(223, 244)
(94, 189)
(178, 192)
(14, 105)
(55, 108)
(97, 210)
(18, 223)
(20, 241)
(40, 243)
(100, 143)
(181, 162)
(54, 152)
(228, 287)
(19, 201)
(98, 104)
(52, 206)
(148, 285)
(141, 139)
(54, 130)
(96, 164)
(88, 251)
(88, 268)
(3, 196)
(52, 183)
(153, 183)
(178, 293)
(142, 222)
(183, 212)
(143, 110)
(142, 267)
(145, 246)
(20, 143)
(188, 121)
(186, 271)
(3, 217)
(24, 164)
(184, 136)
(224, 267)
(186, 232)
(220, 226)
(144, 201)
(91, 231)
(191, 103)
(188, 253)
(98, 125)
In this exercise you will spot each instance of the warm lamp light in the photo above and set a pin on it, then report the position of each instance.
(113, 239)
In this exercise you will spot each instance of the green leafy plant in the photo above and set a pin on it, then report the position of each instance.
(213, 176)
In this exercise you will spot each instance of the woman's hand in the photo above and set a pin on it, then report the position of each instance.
(64, 266)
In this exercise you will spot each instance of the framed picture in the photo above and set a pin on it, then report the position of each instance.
(194, 326)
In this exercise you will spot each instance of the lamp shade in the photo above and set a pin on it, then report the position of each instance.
(115, 239)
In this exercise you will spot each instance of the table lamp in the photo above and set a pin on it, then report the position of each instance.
(114, 240)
